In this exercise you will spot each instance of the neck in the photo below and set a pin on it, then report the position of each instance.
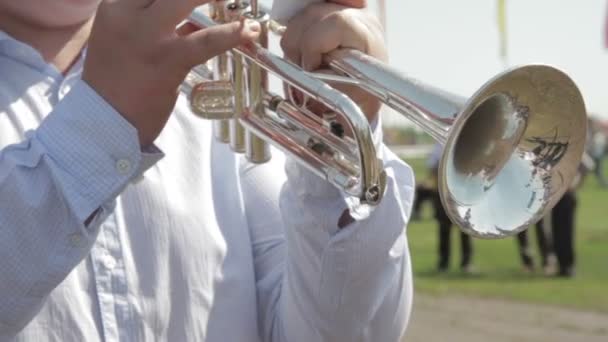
(58, 46)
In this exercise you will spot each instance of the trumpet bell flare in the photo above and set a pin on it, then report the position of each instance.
(511, 151)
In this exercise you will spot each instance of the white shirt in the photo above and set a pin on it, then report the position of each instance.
(198, 245)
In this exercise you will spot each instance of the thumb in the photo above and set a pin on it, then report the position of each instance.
(200, 46)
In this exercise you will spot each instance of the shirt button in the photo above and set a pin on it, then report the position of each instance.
(63, 91)
(123, 166)
(108, 261)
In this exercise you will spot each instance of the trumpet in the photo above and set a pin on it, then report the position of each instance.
(510, 150)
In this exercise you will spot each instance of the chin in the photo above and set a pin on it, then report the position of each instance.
(51, 13)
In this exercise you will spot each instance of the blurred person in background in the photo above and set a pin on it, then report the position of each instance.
(545, 249)
(563, 224)
(563, 221)
(444, 222)
(557, 246)
(425, 192)
(597, 151)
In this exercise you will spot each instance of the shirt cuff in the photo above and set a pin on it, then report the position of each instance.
(307, 185)
(96, 152)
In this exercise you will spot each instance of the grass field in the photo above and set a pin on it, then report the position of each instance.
(500, 274)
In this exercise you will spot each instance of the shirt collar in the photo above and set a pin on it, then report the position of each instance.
(21, 52)
(4, 36)
(24, 53)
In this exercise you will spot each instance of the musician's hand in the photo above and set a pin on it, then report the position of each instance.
(324, 27)
(351, 3)
(137, 59)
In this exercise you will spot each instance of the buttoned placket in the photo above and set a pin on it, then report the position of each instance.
(106, 254)
(66, 82)
(111, 283)
(109, 270)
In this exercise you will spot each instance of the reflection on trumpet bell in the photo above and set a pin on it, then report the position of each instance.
(508, 161)
(511, 150)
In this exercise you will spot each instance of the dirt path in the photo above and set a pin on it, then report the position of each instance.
(457, 319)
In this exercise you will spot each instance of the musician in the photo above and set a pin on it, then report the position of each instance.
(559, 245)
(597, 151)
(122, 220)
(562, 223)
(545, 249)
(563, 217)
(424, 193)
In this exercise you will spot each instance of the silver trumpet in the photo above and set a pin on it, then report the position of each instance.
(510, 151)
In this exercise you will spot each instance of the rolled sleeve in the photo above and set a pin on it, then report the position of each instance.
(73, 166)
(95, 150)
(312, 186)
(349, 284)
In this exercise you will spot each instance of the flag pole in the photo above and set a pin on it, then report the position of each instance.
(503, 40)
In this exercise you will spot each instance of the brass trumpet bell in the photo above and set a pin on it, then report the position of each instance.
(512, 151)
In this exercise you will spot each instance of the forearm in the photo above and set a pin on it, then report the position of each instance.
(55, 189)
(336, 282)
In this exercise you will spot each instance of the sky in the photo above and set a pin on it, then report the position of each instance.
(454, 45)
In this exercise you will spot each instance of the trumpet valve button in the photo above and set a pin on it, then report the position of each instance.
(213, 100)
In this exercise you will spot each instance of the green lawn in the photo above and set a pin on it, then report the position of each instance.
(497, 261)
